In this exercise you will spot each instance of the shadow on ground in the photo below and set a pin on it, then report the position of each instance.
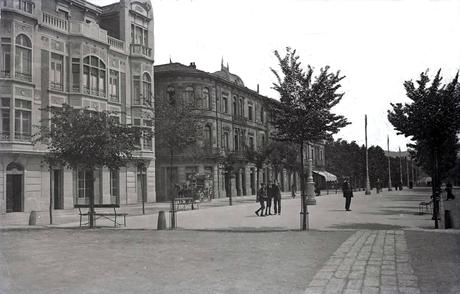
(367, 226)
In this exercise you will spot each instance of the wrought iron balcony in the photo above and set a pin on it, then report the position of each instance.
(23, 137)
(5, 74)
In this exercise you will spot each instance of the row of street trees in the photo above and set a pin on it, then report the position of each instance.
(347, 159)
(432, 121)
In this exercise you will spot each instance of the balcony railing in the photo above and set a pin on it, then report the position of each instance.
(94, 92)
(23, 76)
(117, 44)
(26, 7)
(90, 30)
(114, 98)
(5, 136)
(56, 86)
(24, 137)
(55, 22)
(5, 74)
(138, 49)
(142, 100)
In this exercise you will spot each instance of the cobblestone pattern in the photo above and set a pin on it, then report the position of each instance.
(368, 262)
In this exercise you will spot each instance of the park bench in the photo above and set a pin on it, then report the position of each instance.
(104, 214)
(424, 207)
(183, 202)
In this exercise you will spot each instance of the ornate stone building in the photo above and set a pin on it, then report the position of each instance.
(234, 117)
(70, 51)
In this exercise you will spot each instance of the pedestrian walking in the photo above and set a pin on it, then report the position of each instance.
(347, 193)
(261, 196)
(450, 195)
(293, 189)
(276, 198)
(379, 186)
(268, 204)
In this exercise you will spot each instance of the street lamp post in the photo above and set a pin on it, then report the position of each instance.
(400, 168)
(311, 200)
(389, 167)
(368, 186)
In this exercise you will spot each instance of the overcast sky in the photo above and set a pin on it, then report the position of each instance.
(376, 44)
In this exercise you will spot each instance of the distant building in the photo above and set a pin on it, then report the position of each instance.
(70, 51)
(234, 118)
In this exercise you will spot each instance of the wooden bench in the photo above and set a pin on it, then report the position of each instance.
(424, 207)
(111, 216)
(183, 202)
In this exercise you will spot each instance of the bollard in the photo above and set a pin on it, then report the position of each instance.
(33, 218)
(161, 221)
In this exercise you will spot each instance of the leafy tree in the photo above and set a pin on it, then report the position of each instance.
(177, 127)
(431, 121)
(85, 139)
(304, 112)
(258, 157)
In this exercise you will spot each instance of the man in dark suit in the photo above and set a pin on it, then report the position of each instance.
(261, 197)
(276, 197)
(347, 193)
(268, 206)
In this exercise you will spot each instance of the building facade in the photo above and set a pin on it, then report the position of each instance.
(234, 117)
(56, 52)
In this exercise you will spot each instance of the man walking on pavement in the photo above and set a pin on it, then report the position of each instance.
(268, 206)
(276, 197)
(261, 197)
(347, 193)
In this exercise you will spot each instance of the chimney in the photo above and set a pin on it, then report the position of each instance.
(192, 65)
(257, 88)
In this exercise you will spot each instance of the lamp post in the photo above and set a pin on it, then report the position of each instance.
(368, 186)
(311, 200)
(400, 169)
(389, 167)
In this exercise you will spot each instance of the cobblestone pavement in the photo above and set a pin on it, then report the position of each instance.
(368, 262)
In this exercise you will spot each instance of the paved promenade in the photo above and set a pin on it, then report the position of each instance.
(389, 210)
(368, 262)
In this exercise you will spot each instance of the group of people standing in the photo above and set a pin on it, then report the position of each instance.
(265, 196)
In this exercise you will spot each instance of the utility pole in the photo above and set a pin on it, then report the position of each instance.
(389, 169)
(407, 172)
(368, 186)
(400, 168)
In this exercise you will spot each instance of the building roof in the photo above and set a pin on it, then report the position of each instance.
(225, 74)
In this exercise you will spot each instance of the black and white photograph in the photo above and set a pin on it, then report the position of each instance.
(230, 146)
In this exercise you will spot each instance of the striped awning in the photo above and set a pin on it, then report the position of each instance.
(327, 175)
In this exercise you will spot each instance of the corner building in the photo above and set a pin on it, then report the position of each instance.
(233, 117)
(70, 51)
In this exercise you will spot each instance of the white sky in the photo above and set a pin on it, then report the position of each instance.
(377, 44)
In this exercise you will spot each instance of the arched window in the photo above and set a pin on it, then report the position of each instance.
(189, 95)
(234, 105)
(208, 136)
(23, 61)
(147, 88)
(171, 92)
(94, 76)
(206, 99)
(225, 143)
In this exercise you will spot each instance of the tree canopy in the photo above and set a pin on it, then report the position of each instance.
(82, 138)
(304, 113)
(431, 120)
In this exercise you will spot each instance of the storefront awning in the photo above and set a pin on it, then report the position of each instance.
(327, 175)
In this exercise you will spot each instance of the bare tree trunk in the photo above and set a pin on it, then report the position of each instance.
(173, 196)
(302, 191)
(51, 195)
(91, 204)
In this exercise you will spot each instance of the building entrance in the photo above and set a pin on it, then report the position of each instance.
(14, 184)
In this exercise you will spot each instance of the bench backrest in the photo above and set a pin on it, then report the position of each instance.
(97, 205)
